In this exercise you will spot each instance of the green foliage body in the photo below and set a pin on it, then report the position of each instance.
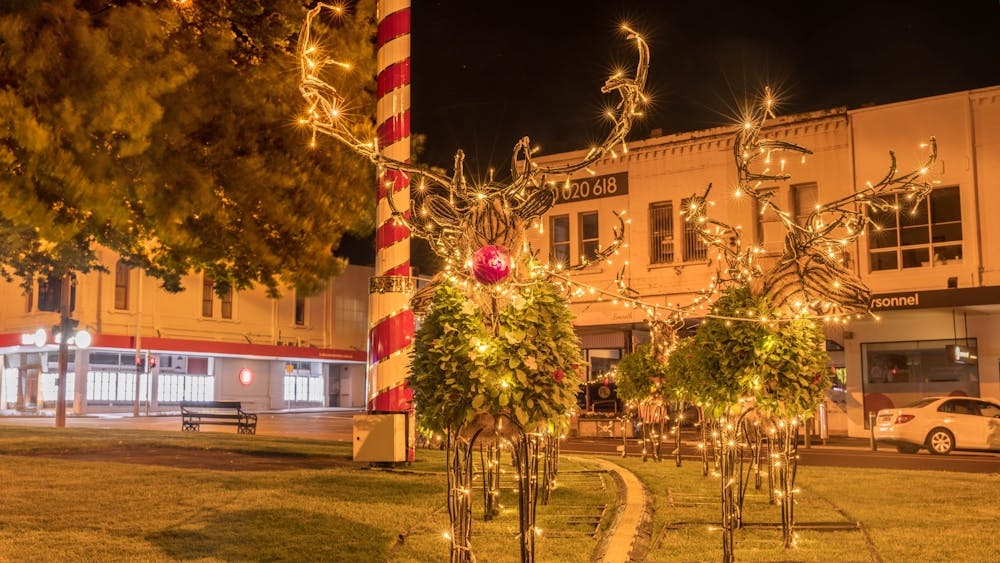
(526, 369)
(640, 375)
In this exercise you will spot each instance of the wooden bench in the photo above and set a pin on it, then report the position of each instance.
(196, 413)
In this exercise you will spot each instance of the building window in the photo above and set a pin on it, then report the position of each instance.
(559, 233)
(929, 235)
(804, 200)
(122, 272)
(770, 231)
(590, 243)
(694, 247)
(50, 294)
(300, 309)
(227, 304)
(207, 289)
(661, 232)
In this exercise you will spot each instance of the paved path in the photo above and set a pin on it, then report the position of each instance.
(634, 507)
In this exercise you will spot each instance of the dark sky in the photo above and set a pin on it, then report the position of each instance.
(485, 73)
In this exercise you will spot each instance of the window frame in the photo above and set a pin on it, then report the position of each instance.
(899, 254)
(693, 247)
(559, 249)
(123, 274)
(661, 232)
(589, 246)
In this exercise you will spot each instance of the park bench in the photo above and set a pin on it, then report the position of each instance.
(194, 414)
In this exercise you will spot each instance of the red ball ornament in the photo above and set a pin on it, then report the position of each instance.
(491, 264)
(558, 375)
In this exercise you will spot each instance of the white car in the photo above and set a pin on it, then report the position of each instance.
(941, 424)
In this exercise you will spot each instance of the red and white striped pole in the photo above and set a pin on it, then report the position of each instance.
(391, 324)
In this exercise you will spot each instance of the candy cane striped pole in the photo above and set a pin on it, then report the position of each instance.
(391, 325)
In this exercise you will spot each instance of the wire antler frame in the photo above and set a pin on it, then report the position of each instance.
(809, 277)
(454, 216)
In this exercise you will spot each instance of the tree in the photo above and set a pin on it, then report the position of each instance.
(235, 190)
(165, 132)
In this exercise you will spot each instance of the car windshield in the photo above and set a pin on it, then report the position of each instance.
(920, 403)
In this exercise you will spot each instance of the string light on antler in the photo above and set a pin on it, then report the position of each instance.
(462, 219)
(810, 277)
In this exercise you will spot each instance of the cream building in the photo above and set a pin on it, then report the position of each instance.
(285, 353)
(935, 275)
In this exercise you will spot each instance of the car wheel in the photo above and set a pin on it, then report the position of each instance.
(940, 441)
(907, 449)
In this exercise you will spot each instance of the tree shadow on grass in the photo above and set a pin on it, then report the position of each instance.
(272, 535)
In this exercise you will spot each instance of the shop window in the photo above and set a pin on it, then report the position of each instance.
(930, 235)
(559, 239)
(122, 275)
(590, 243)
(661, 232)
(694, 247)
(898, 373)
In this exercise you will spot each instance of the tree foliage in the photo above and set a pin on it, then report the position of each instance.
(640, 375)
(742, 351)
(166, 132)
(526, 370)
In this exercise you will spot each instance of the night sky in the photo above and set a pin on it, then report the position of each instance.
(485, 73)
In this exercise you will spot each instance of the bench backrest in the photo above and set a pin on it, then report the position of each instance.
(235, 405)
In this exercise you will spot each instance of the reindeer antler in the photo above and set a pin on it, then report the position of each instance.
(488, 213)
(810, 274)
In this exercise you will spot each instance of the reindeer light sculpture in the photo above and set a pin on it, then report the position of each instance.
(496, 357)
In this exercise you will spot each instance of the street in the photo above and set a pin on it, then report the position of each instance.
(336, 424)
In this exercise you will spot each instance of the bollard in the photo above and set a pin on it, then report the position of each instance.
(871, 429)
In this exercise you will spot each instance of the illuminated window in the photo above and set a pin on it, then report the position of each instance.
(929, 235)
(122, 272)
(694, 246)
(559, 238)
(590, 243)
(661, 232)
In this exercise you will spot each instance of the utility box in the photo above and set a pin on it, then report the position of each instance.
(380, 437)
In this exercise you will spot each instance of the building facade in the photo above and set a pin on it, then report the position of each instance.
(151, 349)
(935, 274)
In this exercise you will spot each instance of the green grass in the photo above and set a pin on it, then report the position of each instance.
(56, 506)
(907, 515)
(307, 501)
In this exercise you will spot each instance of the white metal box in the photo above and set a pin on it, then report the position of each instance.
(380, 437)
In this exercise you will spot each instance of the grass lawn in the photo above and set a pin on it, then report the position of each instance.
(841, 514)
(99, 495)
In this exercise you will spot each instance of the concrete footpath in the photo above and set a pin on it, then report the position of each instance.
(634, 507)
